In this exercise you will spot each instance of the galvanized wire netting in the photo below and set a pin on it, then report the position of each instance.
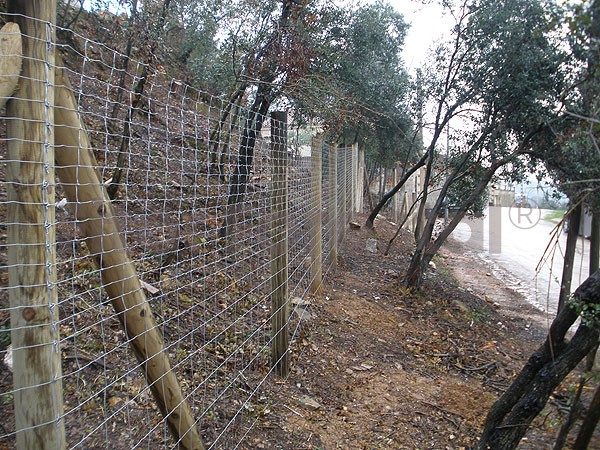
(168, 153)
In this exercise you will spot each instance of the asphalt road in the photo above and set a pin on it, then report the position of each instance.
(512, 243)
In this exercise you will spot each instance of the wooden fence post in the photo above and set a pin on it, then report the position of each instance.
(316, 234)
(31, 251)
(332, 207)
(280, 356)
(342, 188)
(360, 178)
(355, 178)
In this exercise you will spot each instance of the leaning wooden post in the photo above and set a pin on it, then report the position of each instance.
(280, 356)
(332, 207)
(76, 168)
(316, 234)
(31, 251)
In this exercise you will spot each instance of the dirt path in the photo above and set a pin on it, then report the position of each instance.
(378, 367)
(485, 280)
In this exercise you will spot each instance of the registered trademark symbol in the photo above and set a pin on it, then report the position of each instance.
(526, 215)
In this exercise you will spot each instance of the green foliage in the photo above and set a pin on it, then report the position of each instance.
(357, 85)
(502, 76)
(589, 312)
(573, 157)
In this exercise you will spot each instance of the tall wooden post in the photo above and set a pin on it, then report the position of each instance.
(316, 234)
(343, 188)
(31, 235)
(280, 357)
(332, 206)
(360, 180)
(355, 178)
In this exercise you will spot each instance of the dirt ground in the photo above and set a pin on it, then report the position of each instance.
(378, 367)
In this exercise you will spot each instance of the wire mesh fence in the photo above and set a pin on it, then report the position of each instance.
(158, 303)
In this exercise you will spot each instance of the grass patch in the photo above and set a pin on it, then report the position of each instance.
(557, 214)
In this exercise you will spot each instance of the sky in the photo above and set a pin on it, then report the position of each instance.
(427, 25)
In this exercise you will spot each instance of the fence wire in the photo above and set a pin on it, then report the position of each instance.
(168, 153)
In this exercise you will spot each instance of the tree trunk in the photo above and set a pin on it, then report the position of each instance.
(576, 406)
(595, 243)
(126, 59)
(510, 416)
(138, 89)
(424, 187)
(426, 250)
(589, 423)
(239, 178)
(215, 135)
(367, 188)
(371, 219)
(567, 274)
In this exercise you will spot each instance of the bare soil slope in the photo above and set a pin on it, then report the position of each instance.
(382, 368)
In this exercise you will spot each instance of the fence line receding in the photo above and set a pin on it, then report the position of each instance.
(159, 316)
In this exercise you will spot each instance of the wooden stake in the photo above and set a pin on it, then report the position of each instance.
(332, 206)
(316, 234)
(76, 167)
(280, 356)
(31, 232)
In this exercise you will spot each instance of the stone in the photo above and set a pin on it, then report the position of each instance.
(372, 245)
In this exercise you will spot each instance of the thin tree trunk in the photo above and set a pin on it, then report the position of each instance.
(126, 59)
(576, 405)
(593, 412)
(425, 251)
(368, 191)
(239, 178)
(371, 219)
(510, 416)
(595, 243)
(215, 135)
(409, 212)
(138, 89)
(589, 423)
(224, 152)
(572, 236)
(425, 190)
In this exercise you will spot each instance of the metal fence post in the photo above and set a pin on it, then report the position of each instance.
(280, 357)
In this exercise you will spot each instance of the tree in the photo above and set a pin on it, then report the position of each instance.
(573, 160)
(357, 86)
(512, 413)
(501, 75)
(274, 63)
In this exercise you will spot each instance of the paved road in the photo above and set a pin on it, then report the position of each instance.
(513, 241)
